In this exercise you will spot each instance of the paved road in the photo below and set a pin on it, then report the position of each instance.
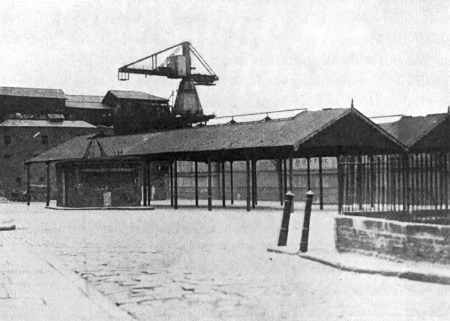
(195, 265)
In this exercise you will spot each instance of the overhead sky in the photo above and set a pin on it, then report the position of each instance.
(390, 56)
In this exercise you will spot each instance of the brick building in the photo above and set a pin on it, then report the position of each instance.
(33, 120)
(25, 138)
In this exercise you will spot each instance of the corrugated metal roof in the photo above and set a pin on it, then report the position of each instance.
(32, 92)
(291, 132)
(85, 102)
(132, 94)
(409, 130)
(45, 123)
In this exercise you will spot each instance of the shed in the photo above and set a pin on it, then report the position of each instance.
(328, 132)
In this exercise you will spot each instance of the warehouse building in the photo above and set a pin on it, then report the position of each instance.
(33, 120)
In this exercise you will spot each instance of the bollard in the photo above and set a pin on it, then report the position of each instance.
(305, 230)
(282, 239)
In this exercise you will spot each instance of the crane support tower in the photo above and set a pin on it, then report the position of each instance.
(176, 62)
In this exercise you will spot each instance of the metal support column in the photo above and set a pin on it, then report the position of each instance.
(308, 172)
(171, 183)
(254, 185)
(222, 169)
(196, 182)
(209, 186)
(279, 168)
(175, 185)
(320, 184)
(47, 199)
(28, 184)
(291, 174)
(247, 163)
(231, 183)
(149, 182)
(144, 184)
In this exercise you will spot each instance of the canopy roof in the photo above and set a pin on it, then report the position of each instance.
(327, 132)
(421, 133)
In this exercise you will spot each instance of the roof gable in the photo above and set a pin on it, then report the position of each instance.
(351, 133)
(410, 130)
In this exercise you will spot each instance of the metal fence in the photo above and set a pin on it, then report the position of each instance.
(407, 185)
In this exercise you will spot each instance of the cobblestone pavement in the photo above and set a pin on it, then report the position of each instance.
(191, 264)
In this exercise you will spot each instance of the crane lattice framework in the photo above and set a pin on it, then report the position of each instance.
(177, 65)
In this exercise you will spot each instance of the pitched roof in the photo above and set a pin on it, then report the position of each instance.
(409, 130)
(85, 102)
(290, 134)
(132, 94)
(45, 123)
(32, 92)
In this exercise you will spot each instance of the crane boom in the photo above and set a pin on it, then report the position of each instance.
(176, 66)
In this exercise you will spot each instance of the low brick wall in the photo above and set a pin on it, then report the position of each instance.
(397, 240)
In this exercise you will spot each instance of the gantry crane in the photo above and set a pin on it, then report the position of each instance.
(177, 64)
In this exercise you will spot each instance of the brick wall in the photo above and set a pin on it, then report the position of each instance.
(393, 239)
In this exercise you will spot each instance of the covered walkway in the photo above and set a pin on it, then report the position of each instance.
(327, 132)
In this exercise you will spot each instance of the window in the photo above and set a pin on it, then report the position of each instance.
(44, 139)
(19, 180)
(7, 140)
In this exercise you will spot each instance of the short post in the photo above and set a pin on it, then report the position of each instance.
(306, 220)
(282, 239)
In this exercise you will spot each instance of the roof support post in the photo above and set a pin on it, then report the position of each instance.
(254, 185)
(291, 174)
(359, 182)
(405, 182)
(320, 184)
(196, 182)
(47, 199)
(149, 182)
(231, 183)
(247, 163)
(372, 181)
(218, 186)
(436, 185)
(446, 180)
(171, 183)
(340, 177)
(175, 185)
(63, 186)
(285, 176)
(308, 172)
(27, 166)
(222, 169)
(279, 169)
(209, 186)
(144, 183)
